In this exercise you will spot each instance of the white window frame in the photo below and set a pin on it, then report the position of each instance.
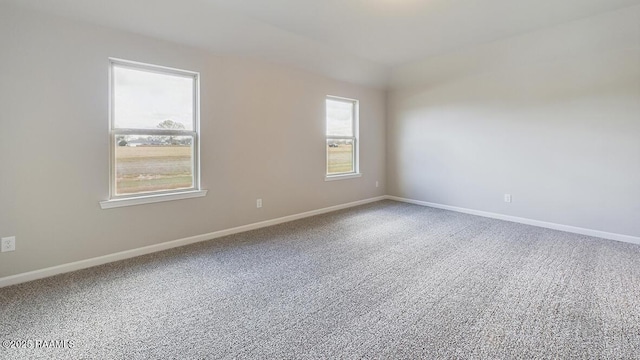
(162, 195)
(355, 138)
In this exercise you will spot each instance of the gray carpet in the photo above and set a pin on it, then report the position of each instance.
(384, 280)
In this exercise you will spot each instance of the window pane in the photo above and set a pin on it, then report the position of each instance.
(153, 163)
(339, 156)
(339, 118)
(145, 100)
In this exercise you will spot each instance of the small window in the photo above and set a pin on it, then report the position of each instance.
(342, 137)
(153, 130)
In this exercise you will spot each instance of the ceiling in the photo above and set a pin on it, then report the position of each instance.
(353, 40)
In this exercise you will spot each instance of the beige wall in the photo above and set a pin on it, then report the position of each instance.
(551, 117)
(262, 137)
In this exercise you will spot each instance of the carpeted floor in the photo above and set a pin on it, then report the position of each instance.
(384, 280)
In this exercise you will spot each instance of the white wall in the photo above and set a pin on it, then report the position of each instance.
(262, 136)
(551, 117)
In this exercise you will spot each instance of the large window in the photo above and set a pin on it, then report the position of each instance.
(153, 130)
(342, 137)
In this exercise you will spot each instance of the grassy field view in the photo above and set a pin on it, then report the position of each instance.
(340, 159)
(153, 168)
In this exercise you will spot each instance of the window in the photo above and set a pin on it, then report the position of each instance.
(153, 134)
(342, 138)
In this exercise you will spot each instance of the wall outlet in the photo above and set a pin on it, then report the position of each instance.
(507, 198)
(8, 244)
(259, 203)
(377, 184)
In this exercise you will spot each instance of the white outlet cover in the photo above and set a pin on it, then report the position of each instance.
(8, 244)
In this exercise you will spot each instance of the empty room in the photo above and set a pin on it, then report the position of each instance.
(294, 179)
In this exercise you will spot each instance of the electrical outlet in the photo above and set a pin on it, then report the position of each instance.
(259, 203)
(507, 198)
(377, 184)
(8, 244)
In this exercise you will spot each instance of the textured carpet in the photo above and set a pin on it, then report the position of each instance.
(384, 280)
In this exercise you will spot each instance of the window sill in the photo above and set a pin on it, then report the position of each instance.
(149, 199)
(342, 177)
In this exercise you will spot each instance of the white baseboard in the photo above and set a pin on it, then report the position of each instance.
(544, 224)
(83, 264)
